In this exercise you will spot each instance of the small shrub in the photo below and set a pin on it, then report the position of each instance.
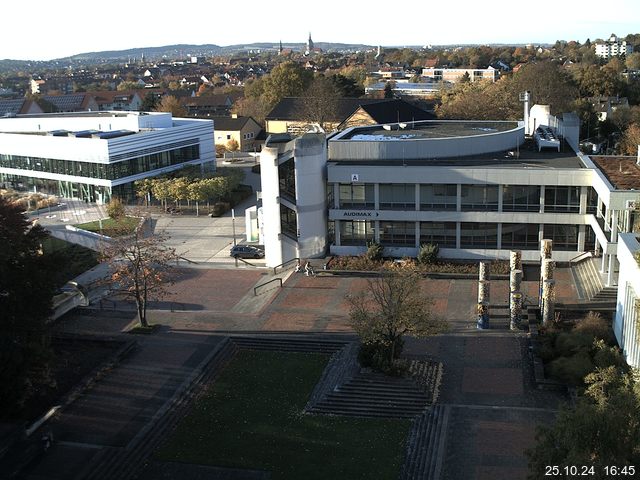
(572, 370)
(428, 253)
(115, 208)
(570, 343)
(374, 251)
(219, 209)
(375, 355)
(596, 326)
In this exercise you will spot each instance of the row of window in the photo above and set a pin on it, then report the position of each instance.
(110, 171)
(472, 235)
(515, 198)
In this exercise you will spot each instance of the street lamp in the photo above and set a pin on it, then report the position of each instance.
(233, 225)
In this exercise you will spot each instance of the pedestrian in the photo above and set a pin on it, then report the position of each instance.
(307, 269)
(298, 268)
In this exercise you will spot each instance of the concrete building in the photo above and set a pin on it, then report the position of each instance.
(95, 155)
(613, 48)
(477, 189)
(454, 75)
(625, 324)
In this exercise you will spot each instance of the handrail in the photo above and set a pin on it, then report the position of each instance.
(255, 289)
(284, 263)
(583, 254)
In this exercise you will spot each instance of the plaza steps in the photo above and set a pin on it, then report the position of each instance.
(426, 444)
(299, 344)
(124, 463)
(372, 394)
(588, 281)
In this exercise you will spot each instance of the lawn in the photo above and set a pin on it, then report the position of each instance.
(112, 227)
(71, 259)
(251, 417)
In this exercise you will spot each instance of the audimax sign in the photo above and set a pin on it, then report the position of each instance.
(360, 214)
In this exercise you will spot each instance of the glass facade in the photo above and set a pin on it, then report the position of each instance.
(517, 235)
(438, 197)
(398, 196)
(478, 235)
(356, 232)
(398, 234)
(561, 199)
(479, 198)
(286, 174)
(521, 198)
(357, 196)
(565, 237)
(288, 222)
(110, 171)
(442, 233)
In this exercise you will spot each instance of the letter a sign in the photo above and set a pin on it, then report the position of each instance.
(355, 177)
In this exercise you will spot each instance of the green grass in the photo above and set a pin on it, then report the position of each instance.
(112, 227)
(70, 259)
(251, 417)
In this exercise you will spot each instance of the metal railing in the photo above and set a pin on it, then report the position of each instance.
(255, 289)
(288, 262)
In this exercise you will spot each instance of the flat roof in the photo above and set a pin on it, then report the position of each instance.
(427, 129)
(526, 156)
(622, 172)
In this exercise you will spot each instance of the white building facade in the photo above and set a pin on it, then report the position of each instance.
(625, 323)
(94, 155)
(613, 48)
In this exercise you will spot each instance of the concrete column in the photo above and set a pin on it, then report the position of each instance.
(583, 200)
(546, 247)
(515, 280)
(581, 237)
(458, 230)
(614, 225)
(376, 232)
(376, 196)
(499, 236)
(548, 305)
(500, 193)
(336, 232)
(547, 268)
(612, 270)
(484, 291)
(417, 235)
(541, 198)
(458, 198)
(336, 196)
(603, 263)
(417, 197)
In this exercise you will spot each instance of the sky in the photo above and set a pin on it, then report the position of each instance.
(48, 30)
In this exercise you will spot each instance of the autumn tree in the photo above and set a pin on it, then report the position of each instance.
(630, 140)
(140, 268)
(320, 103)
(171, 104)
(548, 83)
(392, 306)
(26, 290)
(287, 79)
(603, 428)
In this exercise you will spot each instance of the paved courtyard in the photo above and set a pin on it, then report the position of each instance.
(492, 404)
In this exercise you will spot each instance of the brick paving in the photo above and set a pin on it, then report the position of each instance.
(487, 378)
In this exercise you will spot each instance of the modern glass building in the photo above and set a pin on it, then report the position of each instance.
(95, 155)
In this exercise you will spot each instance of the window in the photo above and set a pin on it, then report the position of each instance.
(438, 197)
(356, 196)
(356, 232)
(517, 235)
(592, 200)
(521, 198)
(400, 234)
(442, 233)
(479, 235)
(565, 237)
(288, 222)
(562, 199)
(398, 196)
(287, 178)
(480, 198)
(228, 137)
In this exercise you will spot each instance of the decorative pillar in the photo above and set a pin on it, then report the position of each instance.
(515, 260)
(546, 247)
(484, 271)
(483, 294)
(483, 316)
(548, 308)
(515, 310)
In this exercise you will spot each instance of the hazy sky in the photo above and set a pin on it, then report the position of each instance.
(44, 30)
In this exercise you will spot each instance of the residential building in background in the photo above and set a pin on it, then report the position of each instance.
(243, 130)
(613, 48)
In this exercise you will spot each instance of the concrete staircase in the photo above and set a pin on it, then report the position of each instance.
(291, 343)
(589, 284)
(372, 394)
(425, 445)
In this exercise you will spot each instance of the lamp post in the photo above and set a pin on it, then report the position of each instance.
(233, 225)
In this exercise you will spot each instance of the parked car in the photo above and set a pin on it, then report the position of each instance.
(246, 251)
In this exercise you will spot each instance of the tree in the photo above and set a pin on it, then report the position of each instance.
(602, 430)
(388, 89)
(233, 145)
(630, 140)
(548, 83)
(26, 290)
(392, 306)
(140, 268)
(633, 61)
(144, 189)
(149, 103)
(115, 208)
(127, 85)
(287, 79)
(169, 103)
(320, 103)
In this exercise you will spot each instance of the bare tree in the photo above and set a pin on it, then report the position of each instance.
(140, 268)
(393, 306)
(320, 103)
